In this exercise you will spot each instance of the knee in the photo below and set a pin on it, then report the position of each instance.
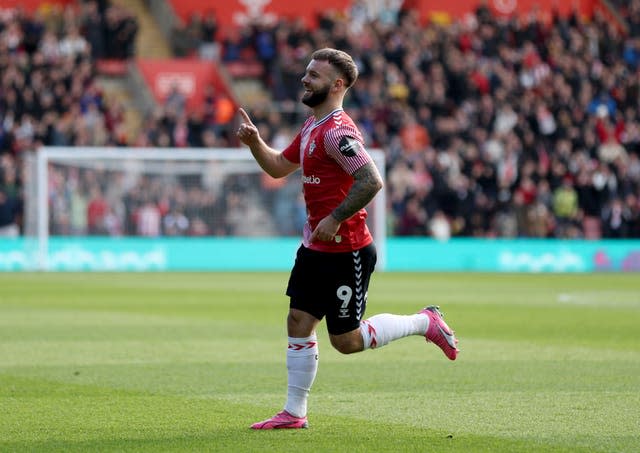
(345, 345)
(344, 348)
(300, 324)
(292, 321)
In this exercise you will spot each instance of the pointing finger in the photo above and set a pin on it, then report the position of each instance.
(244, 116)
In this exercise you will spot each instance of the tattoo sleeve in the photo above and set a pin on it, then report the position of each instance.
(367, 182)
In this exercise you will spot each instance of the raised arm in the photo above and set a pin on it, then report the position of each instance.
(272, 161)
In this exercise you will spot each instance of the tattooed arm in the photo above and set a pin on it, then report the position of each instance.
(367, 182)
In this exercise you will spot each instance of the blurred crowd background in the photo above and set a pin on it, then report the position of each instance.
(491, 127)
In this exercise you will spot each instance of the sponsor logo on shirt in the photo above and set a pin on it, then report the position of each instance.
(348, 146)
(313, 179)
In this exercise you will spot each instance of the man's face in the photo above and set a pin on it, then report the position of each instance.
(317, 82)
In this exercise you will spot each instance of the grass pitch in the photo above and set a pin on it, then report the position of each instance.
(186, 362)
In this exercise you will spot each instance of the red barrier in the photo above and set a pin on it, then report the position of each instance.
(447, 10)
(238, 12)
(190, 76)
(32, 5)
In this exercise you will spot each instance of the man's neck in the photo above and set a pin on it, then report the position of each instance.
(324, 109)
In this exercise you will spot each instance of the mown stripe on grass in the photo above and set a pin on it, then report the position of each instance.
(66, 417)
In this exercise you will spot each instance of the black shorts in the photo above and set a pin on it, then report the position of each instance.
(333, 285)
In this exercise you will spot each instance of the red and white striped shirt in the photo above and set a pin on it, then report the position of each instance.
(329, 152)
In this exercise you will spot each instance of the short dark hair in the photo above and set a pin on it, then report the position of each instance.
(340, 60)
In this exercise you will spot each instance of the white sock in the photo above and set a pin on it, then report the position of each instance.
(302, 365)
(384, 328)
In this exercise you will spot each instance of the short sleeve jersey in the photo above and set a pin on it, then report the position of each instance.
(329, 151)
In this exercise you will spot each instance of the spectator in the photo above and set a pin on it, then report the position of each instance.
(78, 212)
(183, 41)
(121, 26)
(96, 211)
(439, 227)
(616, 218)
(92, 27)
(73, 44)
(148, 219)
(565, 203)
(209, 46)
(9, 212)
(10, 200)
(175, 102)
(175, 223)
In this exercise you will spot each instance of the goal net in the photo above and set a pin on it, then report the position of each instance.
(165, 193)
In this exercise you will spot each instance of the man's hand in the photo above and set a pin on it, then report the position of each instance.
(326, 229)
(247, 132)
(272, 161)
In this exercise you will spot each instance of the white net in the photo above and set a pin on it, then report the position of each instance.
(165, 192)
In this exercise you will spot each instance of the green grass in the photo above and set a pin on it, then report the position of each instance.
(186, 362)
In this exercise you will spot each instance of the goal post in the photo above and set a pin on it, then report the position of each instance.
(160, 194)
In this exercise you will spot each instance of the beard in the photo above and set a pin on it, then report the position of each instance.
(315, 98)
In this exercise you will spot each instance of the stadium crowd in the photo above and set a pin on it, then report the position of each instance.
(491, 127)
(48, 90)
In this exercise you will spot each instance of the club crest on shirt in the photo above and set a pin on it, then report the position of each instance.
(312, 147)
(348, 146)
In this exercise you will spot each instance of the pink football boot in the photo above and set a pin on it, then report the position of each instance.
(282, 420)
(439, 332)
